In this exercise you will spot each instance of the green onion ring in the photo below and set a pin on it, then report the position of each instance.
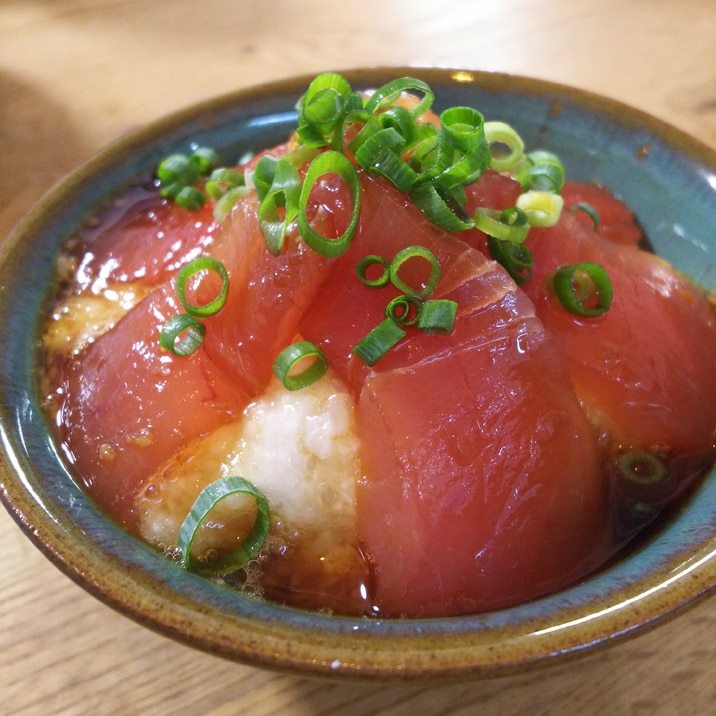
(437, 316)
(543, 208)
(190, 198)
(441, 208)
(203, 263)
(389, 92)
(294, 354)
(500, 133)
(583, 289)
(589, 210)
(413, 252)
(515, 258)
(464, 128)
(207, 500)
(365, 264)
(204, 159)
(401, 120)
(172, 330)
(497, 224)
(283, 193)
(329, 162)
(379, 341)
(404, 310)
(177, 168)
(323, 107)
(543, 172)
(642, 468)
(223, 180)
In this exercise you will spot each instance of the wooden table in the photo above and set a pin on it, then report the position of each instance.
(76, 74)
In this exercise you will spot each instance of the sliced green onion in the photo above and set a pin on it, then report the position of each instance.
(395, 169)
(263, 175)
(404, 310)
(205, 503)
(178, 172)
(278, 205)
(464, 127)
(543, 172)
(366, 264)
(410, 253)
(402, 121)
(381, 153)
(177, 169)
(379, 341)
(499, 135)
(505, 225)
(543, 208)
(322, 108)
(329, 162)
(169, 191)
(389, 92)
(437, 316)
(171, 338)
(589, 210)
(224, 205)
(197, 266)
(583, 289)
(223, 180)
(190, 198)
(290, 357)
(515, 258)
(204, 159)
(443, 209)
(643, 468)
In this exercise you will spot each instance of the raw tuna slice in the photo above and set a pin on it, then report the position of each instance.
(481, 479)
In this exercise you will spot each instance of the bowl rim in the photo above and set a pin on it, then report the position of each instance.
(285, 639)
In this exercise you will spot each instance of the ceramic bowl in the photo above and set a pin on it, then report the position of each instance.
(668, 179)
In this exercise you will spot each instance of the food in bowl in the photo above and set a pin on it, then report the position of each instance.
(396, 366)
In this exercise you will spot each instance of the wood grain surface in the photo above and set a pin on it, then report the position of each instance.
(77, 74)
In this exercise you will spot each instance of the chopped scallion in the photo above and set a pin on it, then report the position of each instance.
(182, 335)
(203, 264)
(278, 186)
(515, 258)
(410, 254)
(205, 503)
(583, 289)
(643, 468)
(543, 208)
(589, 210)
(379, 341)
(404, 310)
(505, 225)
(366, 264)
(291, 357)
(328, 163)
(437, 316)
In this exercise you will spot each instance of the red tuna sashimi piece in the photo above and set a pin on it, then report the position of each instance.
(481, 485)
(164, 401)
(645, 369)
(146, 239)
(267, 295)
(129, 405)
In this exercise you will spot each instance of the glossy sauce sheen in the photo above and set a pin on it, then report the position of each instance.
(488, 455)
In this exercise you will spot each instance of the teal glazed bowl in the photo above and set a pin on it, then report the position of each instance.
(667, 178)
